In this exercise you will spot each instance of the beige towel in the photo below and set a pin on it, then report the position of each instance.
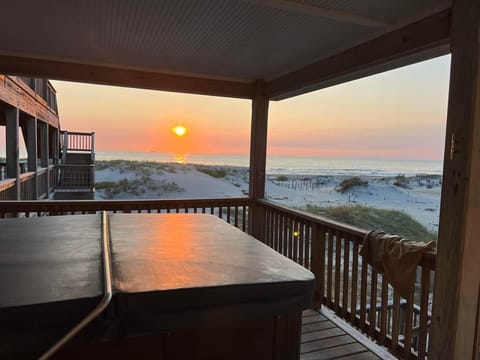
(395, 257)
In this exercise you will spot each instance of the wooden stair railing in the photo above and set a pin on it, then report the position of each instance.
(77, 170)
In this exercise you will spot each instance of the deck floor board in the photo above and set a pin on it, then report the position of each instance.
(324, 340)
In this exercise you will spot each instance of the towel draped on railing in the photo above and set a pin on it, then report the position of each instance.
(395, 257)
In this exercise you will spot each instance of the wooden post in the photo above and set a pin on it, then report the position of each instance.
(258, 156)
(457, 278)
(31, 142)
(56, 146)
(44, 152)
(12, 148)
(65, 147)
(92, 159)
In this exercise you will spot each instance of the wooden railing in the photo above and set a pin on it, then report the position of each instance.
(77, 141)
(232, 210)
(78, 177)
(344, 282)
(52, 178)
(27, 186)
(347, 284)
(43, 183)
(7, 189)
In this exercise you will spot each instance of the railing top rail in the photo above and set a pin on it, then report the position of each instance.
(316, 218)
(27, 175)
(77, 133)
(21, 206)
(6, 184)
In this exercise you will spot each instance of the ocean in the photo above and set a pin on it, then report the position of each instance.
(294, 165)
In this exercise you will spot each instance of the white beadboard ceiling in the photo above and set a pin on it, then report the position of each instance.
(239, 40)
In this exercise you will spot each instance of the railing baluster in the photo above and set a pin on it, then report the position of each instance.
(244, 218)
(384, 311)
(338, 266)
(372, 314)
(408, 326)
(330, 268)
(301, 243)
(353, 306)
(363, 295)
(266, 226)
(308, 245)
(284, 235)
(287, 238)
(236, 216)
(274, 230)
(271, 228)
(295, 235)
(346, 274)
(316, 265)
(422, 340)
(395, 321)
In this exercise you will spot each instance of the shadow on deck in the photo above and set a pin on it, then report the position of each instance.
(322, 339)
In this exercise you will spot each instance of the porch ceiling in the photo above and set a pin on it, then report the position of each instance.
(230, 40)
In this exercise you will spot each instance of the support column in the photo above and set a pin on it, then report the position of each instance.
(457, 278)
(258, 156)
(12, 148)
(31, 142)
(44, 152)
(56, 146)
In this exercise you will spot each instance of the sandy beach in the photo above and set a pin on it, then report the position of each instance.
(415, 195)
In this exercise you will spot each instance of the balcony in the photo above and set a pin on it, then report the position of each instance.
(346, 287)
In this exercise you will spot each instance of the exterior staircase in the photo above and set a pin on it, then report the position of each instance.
(75, 175)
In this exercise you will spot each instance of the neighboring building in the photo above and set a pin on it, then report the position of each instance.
(59, 164)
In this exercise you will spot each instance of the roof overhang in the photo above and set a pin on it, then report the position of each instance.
(220, 47)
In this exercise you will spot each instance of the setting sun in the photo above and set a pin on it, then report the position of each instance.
(179, 130)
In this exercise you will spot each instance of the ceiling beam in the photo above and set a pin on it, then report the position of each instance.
(416, 42)
(304, 8)
(105, 75)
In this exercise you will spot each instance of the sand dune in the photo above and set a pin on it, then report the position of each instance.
(418, 196)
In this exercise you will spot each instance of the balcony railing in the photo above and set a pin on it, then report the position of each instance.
(77, 141)
(7, 189)
(344, 281)
(28, 189)
(347, 284)
(232, 210)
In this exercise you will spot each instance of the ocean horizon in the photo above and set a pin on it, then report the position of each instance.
(283, 165)
(293, 165)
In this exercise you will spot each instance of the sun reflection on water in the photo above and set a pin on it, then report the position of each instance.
(179, 158)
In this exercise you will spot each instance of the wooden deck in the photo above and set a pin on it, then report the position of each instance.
(324, 340)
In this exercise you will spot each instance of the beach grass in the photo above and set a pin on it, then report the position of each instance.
(350, 183)
(216, 172)
(137, 187)
(391, 221)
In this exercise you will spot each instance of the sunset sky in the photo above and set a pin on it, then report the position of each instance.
(398, 114)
